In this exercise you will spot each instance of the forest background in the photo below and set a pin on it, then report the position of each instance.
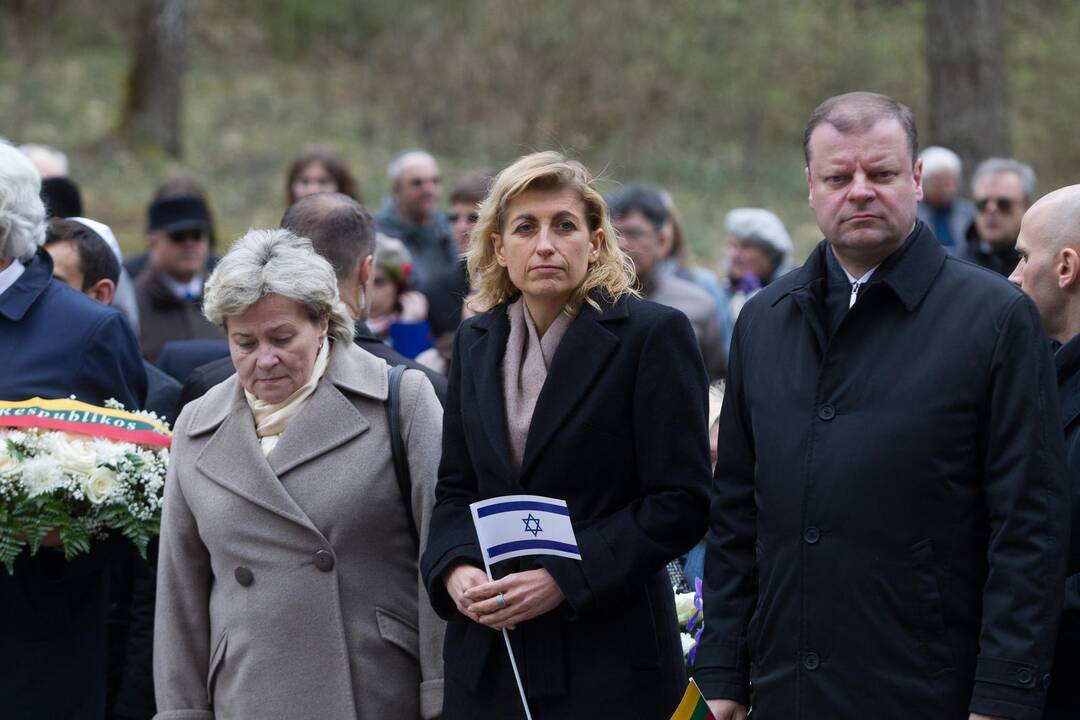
(707, 98)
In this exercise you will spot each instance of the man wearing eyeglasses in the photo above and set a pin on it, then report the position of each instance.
(169, 290)
(1003, 190)
(411, 214)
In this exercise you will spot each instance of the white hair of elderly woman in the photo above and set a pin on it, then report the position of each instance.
(936, 159)
(22, 214)
(265, 262)
(760, 226)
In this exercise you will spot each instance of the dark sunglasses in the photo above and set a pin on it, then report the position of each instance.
(1005, 205)
(472, 217)
(185, 235)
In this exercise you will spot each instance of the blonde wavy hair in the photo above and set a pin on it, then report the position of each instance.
(612, 273)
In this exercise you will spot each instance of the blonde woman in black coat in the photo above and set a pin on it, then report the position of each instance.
(566, 385)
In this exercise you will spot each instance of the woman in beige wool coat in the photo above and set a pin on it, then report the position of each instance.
(287, 577)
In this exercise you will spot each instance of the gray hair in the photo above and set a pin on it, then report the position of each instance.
(45, 155)
(265, 262)
(402, 159)
(998, 166)
(936, 159)
(22, 214)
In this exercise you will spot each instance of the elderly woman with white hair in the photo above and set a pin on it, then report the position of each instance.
(56, 343)
(758, 251)
(287, 574)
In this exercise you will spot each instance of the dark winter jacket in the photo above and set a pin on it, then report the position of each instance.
(1063, 701)
(890, 515)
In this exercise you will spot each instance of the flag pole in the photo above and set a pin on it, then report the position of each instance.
(510, 652)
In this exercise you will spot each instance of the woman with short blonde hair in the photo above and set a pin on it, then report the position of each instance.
(570, 386)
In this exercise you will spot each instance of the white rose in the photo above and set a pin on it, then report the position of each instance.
(684, 607)
(8, 464)
(75, 455)
(100, 486)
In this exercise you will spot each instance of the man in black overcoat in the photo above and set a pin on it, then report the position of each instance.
(1049, 271)
(889, 516)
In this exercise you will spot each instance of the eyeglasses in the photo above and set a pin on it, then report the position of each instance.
(1004, 204)
(185, 235)
(472, 217)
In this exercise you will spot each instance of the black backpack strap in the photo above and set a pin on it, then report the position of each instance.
(397, 446)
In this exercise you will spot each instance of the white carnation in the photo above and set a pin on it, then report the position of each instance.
(109, 452)
(41, 475)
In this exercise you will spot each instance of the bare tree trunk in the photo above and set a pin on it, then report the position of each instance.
(968, 79)
(153, 104)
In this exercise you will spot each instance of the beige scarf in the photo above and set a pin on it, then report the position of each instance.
(525, 368)
(271, 419)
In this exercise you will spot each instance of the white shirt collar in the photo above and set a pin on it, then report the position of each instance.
(852, 279)
(184, 291)
(10, 274)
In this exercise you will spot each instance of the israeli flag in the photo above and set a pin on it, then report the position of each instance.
(515, 525)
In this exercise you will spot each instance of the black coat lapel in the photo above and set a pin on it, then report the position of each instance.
(485, 359)
(582, 353)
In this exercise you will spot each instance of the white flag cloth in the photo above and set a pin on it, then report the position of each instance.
(515, 525)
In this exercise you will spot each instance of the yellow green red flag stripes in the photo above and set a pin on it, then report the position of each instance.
(77, 417)
(693, 705)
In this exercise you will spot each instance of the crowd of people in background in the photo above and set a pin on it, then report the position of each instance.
(956, 530)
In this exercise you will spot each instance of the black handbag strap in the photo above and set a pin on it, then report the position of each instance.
(397, 446)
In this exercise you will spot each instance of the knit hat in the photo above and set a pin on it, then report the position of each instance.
(760, 227)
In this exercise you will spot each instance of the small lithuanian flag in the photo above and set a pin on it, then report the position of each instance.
(693, 706)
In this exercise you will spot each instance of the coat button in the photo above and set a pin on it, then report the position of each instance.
(1046, 680)
(826, 412)
(1024, 676)
(811, 661)
(811, 535)
(244, 576)
(324, 560)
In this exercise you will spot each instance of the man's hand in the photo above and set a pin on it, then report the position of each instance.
(726, 710)
(526, 595)
(977, 716)
(458, 580)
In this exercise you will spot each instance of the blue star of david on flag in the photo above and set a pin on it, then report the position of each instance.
(532, 525)
(504, 533)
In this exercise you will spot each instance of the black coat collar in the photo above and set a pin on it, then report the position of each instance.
(1067, 362)
(908, 272)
